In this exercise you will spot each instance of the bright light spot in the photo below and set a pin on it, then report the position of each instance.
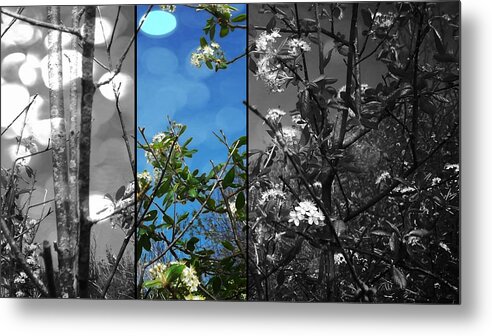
(28, 74)
(103, 31)
(122, 82)
(66, 40)
(11, 64)
(40, 129)
(159, 23)
(100, 206)
(21, 33)
(23, 151)
(18, 98)
(67, 57)
(160, 61)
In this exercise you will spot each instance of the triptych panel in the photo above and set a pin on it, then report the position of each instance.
(290, 152)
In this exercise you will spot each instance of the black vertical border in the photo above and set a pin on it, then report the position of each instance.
(135, 114)
(247, 152)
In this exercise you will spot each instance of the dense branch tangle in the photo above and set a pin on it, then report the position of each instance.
(349, 132)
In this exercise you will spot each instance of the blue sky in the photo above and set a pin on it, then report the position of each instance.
(168, 85)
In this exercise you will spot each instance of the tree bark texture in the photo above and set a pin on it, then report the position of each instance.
(85, 149)
(60, 166)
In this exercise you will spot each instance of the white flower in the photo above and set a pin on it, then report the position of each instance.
(384, 175)
(274, 115)
(435, 181)
(270, 194)
(144, 178)
(339, 259)
(232, 207)
(383, 20)
(444, 247)
(455, 167)
(168, 8)
(290, 135)
(265, 42)
(20, 293)
(196, 59)
(297, 121)
(190, 278)
(296, 46)
(296, 217)
(307, 210)
(191, 297)
(31, 260)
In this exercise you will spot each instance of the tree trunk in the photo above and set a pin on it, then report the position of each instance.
(60, 167)
(85, 149)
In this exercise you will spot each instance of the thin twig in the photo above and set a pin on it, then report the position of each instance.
(43, 24)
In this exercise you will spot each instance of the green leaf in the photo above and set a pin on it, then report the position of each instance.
(190, 245)
(228, 245)
(173, 272)
(240, 201)
(224, 30)
(119, 193)
(152, 284)
(150, 216)
(399, 278)
(192, 193)
(271, 24)
(381, 233)
(212, 32)
(280, 278)
(366, 16)
(438, 41)
(327, 54)
(209, 65)
(229, 178)
(323, 79)
(203, 42)
(239, 18)
(216, 284)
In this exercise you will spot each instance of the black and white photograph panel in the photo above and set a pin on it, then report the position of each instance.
(354, 162)
(67, 163)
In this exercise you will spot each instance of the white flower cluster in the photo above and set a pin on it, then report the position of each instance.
(290, 136)
(274, 115)
(218, 8)
(339, 259)
(384, 20)
(270, 194)
(269, 70)
(296, 46)
(188, 277)
(207, 53)
(454, 166)
(265, 42)
(306, 211)
(144, 179)
(297, 121)
(168, 8)
(21, 279)
(384, 175)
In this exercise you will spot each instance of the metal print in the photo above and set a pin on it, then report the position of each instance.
(354, 152)
(67, 181)
(191, 73)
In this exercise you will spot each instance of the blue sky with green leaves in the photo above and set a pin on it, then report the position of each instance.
(169, 86)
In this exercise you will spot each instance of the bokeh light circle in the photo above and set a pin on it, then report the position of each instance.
(159, 23)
